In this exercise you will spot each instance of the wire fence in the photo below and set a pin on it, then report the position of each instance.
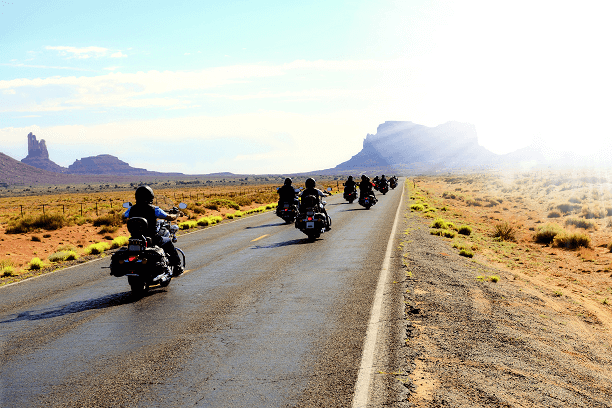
(99, 207)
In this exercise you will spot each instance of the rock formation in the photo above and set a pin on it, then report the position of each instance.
(104, 164)
(38, 156)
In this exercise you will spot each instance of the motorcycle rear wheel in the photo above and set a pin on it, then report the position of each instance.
(139, 286)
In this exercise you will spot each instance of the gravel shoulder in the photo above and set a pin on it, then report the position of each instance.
(472, 341)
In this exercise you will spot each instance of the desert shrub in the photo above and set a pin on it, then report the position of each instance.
(216, 203)
(439, 223)
(417, 207)
(97, 248)
(466, 252)
(203, 222)
(188, 224)
(6, 268)
(114, 219)
(36, 238)
(448, 194)
(504, 231)
(572, 240)
(580, 223)
(547, 233)
(119, 242)
(47, 222)
(61, 256)
(271, 206)
(106, 229)
(36, 264)
(593, 212)
(78, 220)
(465, 230)
(215, 219)
(443, 233)
(567, 207)
(554, 214)
(473, 203)
(575, 200)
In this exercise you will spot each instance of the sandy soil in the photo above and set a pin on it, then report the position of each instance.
(519, 325)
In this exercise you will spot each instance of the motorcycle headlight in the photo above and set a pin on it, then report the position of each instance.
(174, 228)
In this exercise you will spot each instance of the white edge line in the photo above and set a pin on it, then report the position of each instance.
(364, 376)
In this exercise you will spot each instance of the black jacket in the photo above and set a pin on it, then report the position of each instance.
(146, 211)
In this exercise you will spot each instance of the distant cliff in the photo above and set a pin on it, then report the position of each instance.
(408, 148)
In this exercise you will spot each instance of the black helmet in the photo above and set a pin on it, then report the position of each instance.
(144, 194)
(310, 182)
(287, 181)
(364, 177)
(350, 177)
(383, 176)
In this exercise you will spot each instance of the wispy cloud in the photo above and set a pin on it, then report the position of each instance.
(80, 53)
(118, 54)
(22, 65)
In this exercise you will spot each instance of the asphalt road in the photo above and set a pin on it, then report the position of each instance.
(261, 318)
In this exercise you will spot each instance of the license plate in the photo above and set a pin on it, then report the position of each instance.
(133, 247)
(310, 224)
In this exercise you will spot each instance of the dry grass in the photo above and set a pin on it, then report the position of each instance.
(573, 254)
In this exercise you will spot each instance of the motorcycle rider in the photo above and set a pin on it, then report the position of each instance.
(382, 181)
(311, 190)
(349, 185)
(144, 208)
(365, 187)
(287, 194)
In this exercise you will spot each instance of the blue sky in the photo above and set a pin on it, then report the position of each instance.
(280, 87)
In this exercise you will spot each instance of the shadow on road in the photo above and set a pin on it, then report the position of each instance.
(282, 244)
(116, 299)
(268, 225)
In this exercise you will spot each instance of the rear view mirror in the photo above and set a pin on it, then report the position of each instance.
(127, 205)
(182, 206)
(329, 188)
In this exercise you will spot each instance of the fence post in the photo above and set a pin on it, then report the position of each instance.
(43, 209)
(21, 207)
(81, 209)
(63, 209)
(96, 208)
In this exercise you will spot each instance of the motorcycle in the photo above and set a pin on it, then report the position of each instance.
(367, 201)
(143, 263)
(287, 211)
(311, 220)
(383, 187)
(393, 183)
(350, 196)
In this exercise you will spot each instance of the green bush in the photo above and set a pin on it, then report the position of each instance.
(547, 233)
(443, 233)
(203, 222)
(119, 242)
(465, 230)
(6, 268)
(466, 252)
(188, 224)
(61, 256)
(417, 207)
(97, 248)
(36, 264)
(572, 241)
(439, 223)
(554, 214)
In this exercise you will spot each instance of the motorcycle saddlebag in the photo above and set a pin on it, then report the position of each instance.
(151, 260)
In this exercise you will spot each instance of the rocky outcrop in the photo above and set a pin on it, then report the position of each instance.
(408, 147)
(38, 156)
(104, 164)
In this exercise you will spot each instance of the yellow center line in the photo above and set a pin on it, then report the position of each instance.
(257, 239)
